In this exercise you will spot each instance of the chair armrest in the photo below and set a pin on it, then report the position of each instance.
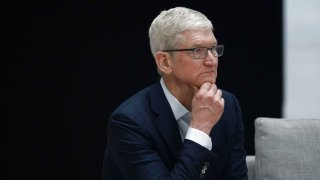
(251, 168)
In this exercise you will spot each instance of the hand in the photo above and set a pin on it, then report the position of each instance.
(207, 107)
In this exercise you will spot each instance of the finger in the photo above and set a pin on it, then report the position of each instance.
(213, 89)
(222, 102)
(219, 93)
(204, 88)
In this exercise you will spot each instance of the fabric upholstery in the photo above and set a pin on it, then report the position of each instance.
(250, 164)
(287, 149)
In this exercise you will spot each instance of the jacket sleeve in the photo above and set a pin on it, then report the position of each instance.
(134, 153)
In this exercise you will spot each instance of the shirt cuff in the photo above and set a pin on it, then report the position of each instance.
(199, 137)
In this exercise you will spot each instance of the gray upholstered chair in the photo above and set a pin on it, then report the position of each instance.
(285, 149)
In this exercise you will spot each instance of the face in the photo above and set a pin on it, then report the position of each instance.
(190, 72)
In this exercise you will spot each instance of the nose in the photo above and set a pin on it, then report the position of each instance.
(210, 60)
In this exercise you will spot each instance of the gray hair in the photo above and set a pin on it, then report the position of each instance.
(164, 32)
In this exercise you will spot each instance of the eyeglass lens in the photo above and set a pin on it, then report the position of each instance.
(200, 53)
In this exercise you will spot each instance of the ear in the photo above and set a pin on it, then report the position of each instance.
(163, 62)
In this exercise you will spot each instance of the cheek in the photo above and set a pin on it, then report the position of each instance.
(186, 68)
(185, 71)
(191, 74)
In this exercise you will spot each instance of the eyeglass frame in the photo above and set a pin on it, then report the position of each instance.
(193, 50)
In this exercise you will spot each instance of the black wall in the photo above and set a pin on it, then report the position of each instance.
(71, 64)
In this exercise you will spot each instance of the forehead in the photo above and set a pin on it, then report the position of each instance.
(198, 38)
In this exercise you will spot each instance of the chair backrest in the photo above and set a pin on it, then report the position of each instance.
(287, 149)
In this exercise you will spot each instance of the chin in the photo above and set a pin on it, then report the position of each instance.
(208, 77)
(210, 80)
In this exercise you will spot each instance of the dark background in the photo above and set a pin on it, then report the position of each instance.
(72, 63)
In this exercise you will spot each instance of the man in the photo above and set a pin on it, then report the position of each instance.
(182, 127)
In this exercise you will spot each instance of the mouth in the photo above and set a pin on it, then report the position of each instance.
(208, 72)
(209, 75)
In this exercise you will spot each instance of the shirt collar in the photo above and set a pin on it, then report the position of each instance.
(177, 108)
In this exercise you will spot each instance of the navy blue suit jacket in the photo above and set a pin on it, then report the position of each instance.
(144, 143)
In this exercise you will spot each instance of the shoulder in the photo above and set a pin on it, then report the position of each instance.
(227, 95)
(230, 98)
(141, 102)
(232, 105)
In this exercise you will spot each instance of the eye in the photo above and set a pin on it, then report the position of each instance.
(199, 50)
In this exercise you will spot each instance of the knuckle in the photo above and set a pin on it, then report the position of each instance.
(199, 95)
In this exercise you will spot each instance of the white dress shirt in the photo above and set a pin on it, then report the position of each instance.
(183, 117)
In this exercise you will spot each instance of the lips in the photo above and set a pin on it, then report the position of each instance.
(208, 72)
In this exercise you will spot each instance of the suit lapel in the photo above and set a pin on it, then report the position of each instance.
(165, 122)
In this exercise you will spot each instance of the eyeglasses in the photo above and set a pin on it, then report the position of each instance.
(202, 52)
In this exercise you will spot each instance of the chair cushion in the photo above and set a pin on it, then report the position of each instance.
(287, 149)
